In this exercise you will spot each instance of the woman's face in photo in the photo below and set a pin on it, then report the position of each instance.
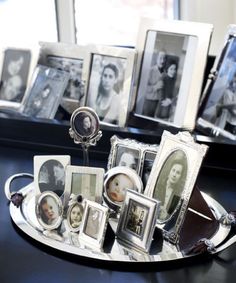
(128, 160)
(171, 72)
(15, 66)
(86, 123)
(175, 173)
(108, 79)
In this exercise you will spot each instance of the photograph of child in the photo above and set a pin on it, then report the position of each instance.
(75, 215)
(48, 210)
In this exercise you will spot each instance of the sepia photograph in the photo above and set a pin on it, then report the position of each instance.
(49, 173)
(218, 110)
(94, 224)
(137, 220)
(74, 216)
(108, 75)
(14, 76)
(45, 92)
(49, 210)
(171, 61)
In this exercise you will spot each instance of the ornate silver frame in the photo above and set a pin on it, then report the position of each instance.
(70, 55)
(137, 220)
(93, 235)
(39, 213)
(196, 39)
(124, 59)
(209, 120)
(180, 149)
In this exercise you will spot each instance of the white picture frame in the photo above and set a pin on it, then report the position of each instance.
(170, 99)
(109, 100)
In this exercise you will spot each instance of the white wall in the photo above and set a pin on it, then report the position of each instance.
(220, 13)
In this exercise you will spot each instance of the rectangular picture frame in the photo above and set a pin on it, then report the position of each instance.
(171, 60)
(94, 224)
(173, 178)
(137, 221)
(17, 65)
(49, 173)
(68, 57)
(217, 109)
(84, 176)
(44, 93)
(109, 99)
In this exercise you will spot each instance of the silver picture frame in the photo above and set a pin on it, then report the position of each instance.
(117, 181)
(137, 221)
(74, 216)
(49, 210)
(44, 93)
(171, 61)
(217, 109)
(16, 68)
(108, 76)
(133, 154)
(172, 179)
(49, 173)
(94, 225)
(68, 57)
(86, 182)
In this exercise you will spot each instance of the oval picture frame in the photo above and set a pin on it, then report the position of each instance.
(120, 176)
(74, 228)
(50, 201)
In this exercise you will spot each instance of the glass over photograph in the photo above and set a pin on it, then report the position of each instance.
(127, 157)
(106, 81)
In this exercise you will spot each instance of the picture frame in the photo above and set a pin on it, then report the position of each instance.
(74, 216)
(94, 224)
(137, 221)
(85, 126)
(16, 68)
(171, 60)
(215, 117)
(109, 97)
(49, 173)
(49, 210)
(84, 181)
(172, 179)
(134, 154)
(44, 93)
(116, 183)
(70, 58)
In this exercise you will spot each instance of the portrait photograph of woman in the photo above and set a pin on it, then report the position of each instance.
(171, 183)
(105, 88)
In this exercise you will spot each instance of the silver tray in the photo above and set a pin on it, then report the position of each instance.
(24, 217)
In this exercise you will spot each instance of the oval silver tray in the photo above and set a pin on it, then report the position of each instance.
(24, 217)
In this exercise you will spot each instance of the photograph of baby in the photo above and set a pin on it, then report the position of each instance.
(105, 87)
(117, 186)
(136, 218)
(15, 71)
(93, 222)
(74, 217)
(49, 210)
(128, 157)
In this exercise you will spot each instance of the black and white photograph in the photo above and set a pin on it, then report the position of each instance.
(108, 73)
(84, 181)
(219, 107)
(14, 76)
(137, 221)
(45, 93)
(106, 86)
(171, 62)
(136, 218)
(148, 160)
(128, 157)
(117, 181)
(171, 183)
(70, 58)
(74, 216)
(172, 179)
(49, 210)
(49, 172)
(94, 224)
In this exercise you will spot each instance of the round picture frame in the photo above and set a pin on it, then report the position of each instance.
(49, 210)
(116, 182)
(74, 227)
